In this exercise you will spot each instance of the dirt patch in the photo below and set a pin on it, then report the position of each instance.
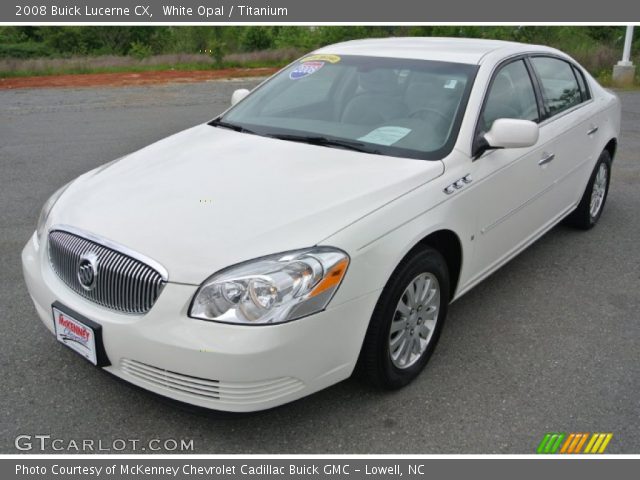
(128, 79)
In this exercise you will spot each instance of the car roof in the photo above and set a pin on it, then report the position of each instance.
(458, 50)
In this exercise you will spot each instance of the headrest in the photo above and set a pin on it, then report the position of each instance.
(380, 80)
(502, 86)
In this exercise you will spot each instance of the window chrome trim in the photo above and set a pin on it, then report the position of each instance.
(548, 120)
(118, 247)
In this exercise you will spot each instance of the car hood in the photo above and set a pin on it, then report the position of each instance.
(207, 197)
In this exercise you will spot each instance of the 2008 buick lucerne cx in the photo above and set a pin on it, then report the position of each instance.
(324, 223)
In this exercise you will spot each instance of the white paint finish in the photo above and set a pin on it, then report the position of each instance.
(512, 133)
(208, 198)
(307, 349)
(459, 50)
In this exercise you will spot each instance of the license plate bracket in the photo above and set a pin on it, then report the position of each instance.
(80, 334)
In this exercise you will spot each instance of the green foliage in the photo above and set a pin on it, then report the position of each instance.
(140, 50)
(596, 47)
(23, 50)
(68, 41)
(302, 38)
(12, 35)
(256, 38)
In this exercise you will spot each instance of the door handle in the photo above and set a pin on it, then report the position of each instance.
(592, 130)
(548, 157)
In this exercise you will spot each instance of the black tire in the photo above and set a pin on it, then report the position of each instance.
(581, 217)
(375, 364)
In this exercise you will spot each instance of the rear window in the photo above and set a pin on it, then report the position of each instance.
(584, 90)
(559, 84)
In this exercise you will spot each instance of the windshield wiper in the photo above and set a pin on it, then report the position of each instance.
(231, 126)
(326, 142)
(310, 139)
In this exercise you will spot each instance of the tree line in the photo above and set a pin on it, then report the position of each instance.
(599, 45)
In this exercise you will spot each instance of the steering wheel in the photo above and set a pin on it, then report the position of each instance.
(422, 113)
(440, 125)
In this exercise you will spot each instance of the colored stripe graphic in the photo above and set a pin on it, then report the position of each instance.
(598, 443)
(581, 442)
(565, 447)
(550, 443)
(574, 442)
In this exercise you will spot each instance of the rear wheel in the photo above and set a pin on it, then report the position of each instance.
(407, 321)
(588, 212)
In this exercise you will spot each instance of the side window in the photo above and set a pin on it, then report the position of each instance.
(511, 95)
(584, 90)
(559, 85)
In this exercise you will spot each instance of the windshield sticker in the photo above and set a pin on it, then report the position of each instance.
(321, 57)
(451, 84)
(305, 69)
(385, 135)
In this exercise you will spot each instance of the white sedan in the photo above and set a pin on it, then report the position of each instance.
(325, 222)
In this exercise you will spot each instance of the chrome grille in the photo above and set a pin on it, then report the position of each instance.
(123, 283)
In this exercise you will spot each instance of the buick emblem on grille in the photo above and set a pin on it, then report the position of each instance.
(88, 270)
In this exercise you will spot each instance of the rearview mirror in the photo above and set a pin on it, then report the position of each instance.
(512, 133)
(238, 95)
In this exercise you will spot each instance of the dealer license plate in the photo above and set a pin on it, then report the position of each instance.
(76, 335)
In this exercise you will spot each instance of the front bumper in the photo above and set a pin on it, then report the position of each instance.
(213, 365)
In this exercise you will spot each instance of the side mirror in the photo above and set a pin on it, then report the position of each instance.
(238, 95)
(512, 133)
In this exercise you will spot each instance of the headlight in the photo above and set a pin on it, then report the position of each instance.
(272, 289)
(46, 209)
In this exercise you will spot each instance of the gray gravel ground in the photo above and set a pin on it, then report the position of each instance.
(548, 343)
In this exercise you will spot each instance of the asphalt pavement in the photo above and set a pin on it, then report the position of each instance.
(549, 343)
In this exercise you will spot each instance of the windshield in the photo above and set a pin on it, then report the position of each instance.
(397, 107)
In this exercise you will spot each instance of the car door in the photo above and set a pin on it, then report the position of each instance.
(569, 130)
(511, 190)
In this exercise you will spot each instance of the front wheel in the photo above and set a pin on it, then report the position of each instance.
(406, 323)
(588, 212)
